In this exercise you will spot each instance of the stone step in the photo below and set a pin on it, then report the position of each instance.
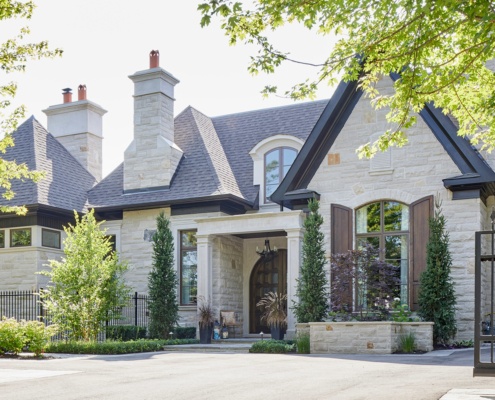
(216, 346)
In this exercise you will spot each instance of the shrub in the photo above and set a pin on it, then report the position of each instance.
(162, 282)
(185, 332)
(407, 343)
(377, 283)
(113, 347)
(437, 300)
(312, 294)
(272, 346)
(37, 336)
(11, 336)
(126, 332)
(303, 344)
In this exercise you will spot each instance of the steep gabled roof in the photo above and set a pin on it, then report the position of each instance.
(66, 181)
(216, 165)
(477, 179)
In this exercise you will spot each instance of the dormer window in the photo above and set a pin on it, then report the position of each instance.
(272, 158)
(277, 163)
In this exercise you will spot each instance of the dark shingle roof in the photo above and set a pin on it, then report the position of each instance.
(66, 181)
(216, 158)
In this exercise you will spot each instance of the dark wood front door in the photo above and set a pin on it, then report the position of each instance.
(267, 276)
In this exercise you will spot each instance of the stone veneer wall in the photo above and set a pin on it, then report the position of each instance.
(87, 149)
(137, 251)
(417, 171)
(228, 277)
(18, 266)
(365, 337)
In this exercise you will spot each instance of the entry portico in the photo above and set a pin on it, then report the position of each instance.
(227, 255)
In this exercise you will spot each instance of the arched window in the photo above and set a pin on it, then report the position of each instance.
(385, 225)
(277, 163)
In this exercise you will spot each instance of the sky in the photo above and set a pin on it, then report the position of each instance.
(105, 41)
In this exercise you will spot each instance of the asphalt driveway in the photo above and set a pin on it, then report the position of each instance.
(164, 375)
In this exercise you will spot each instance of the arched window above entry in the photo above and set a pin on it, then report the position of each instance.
(272, 158)
(277, 163)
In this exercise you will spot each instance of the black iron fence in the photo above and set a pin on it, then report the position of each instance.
(26, 305)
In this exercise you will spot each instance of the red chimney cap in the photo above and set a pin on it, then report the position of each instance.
(81, 92)
(67, 95)
(154, 59)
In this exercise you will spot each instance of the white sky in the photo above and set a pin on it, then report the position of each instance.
(104, 41)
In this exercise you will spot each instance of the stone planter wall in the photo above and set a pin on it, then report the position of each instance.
(365, 337)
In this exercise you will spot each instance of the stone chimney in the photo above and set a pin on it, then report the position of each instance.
(78, 126)
(151, 159)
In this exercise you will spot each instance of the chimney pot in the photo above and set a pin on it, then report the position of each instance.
(81, 92)
(67, 95)
(154, 59)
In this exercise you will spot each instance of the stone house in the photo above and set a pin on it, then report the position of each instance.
(235, 183)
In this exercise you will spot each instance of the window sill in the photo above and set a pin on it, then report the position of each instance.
(381, 172)
(188, 308)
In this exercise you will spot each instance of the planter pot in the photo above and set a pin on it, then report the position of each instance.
(205, 334)
(277, 332)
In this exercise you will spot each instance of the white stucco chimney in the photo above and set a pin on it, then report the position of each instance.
(151, 159)
(78, 126)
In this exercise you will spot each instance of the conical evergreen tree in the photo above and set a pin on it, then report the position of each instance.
(312, 292)
(162, 282)
(437, 299)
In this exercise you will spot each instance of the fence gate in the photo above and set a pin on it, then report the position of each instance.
(484, 306)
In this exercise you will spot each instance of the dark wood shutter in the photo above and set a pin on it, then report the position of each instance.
(420, 213)
(341, 235)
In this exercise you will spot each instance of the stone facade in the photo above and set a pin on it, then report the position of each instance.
(365, 337)
(87, 149)
(151, 159)
(417, 171)
(20, 267)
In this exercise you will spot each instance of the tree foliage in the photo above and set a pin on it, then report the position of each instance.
(439, 48)
(312, 286)
(437, 299)
(14, 54)
(162, 282)
(376, 283)
(87, 286)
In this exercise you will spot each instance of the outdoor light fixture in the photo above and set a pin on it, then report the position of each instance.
(267, 253)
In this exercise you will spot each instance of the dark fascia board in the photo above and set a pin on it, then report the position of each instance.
(333, 119)
(229, 201)
(46, 216)
(319, 142)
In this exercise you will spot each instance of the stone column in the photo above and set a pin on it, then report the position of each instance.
(294, 252)
(205, 263)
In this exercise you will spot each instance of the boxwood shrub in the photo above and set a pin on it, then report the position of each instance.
(126, 332)
(273, 346)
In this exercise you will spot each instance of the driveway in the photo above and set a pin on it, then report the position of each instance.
(245, 376)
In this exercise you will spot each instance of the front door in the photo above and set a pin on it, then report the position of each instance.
(267, 276)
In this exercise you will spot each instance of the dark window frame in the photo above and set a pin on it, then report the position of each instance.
(2, 241)
(59, 246)
(382, 234)
(12, 232)
(281, 166)
(183, 248)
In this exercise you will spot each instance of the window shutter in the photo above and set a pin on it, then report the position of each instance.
(341, 234)
(421, 211)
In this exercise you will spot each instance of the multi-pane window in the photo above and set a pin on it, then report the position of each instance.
(20, 237)
(277, 163)
(385, 225)
(188, 268)
(2, 239)
(50, 238)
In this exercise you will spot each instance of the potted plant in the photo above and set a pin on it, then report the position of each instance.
(206, 319)
(274, 313)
